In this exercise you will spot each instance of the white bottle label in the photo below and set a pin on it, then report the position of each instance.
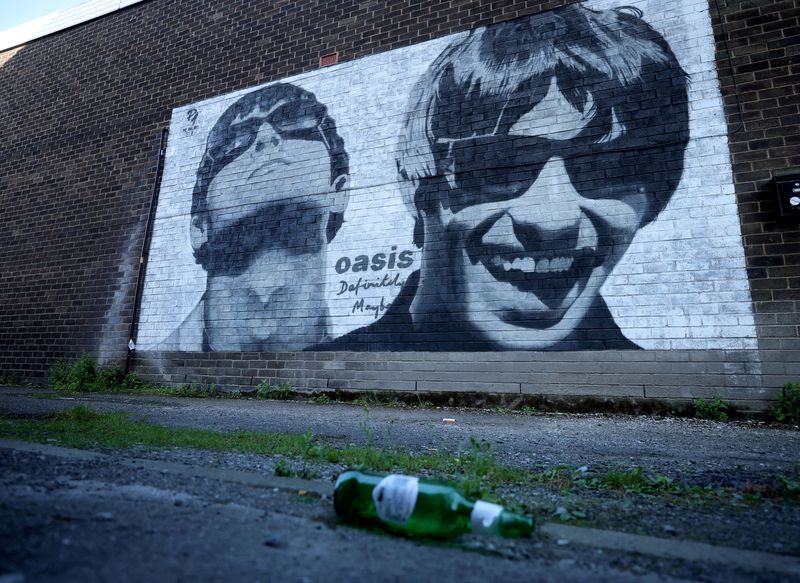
(395, 497)
(484, 515)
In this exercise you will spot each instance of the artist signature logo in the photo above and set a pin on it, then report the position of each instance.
(191, 117)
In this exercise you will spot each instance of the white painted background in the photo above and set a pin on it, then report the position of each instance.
(682, 283)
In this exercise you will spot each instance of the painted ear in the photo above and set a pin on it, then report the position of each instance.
(198, 230)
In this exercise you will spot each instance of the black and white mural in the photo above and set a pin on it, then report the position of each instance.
(556, 182)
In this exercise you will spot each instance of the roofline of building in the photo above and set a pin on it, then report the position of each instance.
(60, 20)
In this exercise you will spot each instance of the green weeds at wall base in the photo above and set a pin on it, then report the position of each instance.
(8, 378)
(715, 409)
(85, 376)
(788, 408)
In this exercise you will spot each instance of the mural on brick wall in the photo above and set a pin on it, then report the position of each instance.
(555, 182)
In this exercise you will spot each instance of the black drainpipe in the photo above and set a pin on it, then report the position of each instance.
(740, 127)
(137, 299)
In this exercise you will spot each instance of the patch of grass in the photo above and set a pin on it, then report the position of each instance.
(628, 481)
(716, 409)
(475, 470)
(788, 408)
(321, 399)
(82, 427)
(281, 392)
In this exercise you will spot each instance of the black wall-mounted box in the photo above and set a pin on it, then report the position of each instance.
(788, 190)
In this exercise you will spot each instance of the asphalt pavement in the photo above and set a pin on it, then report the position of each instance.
(131, 515)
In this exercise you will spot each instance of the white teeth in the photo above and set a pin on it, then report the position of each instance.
(530, 265)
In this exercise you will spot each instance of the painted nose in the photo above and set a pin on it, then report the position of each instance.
(551, 203)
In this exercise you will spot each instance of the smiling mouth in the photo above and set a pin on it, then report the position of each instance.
(550, 275)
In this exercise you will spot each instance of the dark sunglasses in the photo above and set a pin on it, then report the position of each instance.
(296, 120)
(495, 168)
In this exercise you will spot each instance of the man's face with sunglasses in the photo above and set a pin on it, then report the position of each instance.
(274, 188)
(530, 227)
(267, 211)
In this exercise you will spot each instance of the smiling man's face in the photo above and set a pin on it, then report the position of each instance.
(530, 229)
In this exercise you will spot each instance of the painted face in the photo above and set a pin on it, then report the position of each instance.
(267, 211)
(531, 227)
(273, 199)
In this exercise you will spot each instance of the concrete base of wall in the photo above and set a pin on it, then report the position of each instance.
(629, 381)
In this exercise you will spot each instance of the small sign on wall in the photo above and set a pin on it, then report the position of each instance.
(788, 190)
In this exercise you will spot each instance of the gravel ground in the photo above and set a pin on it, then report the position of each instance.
(78, 520)
(698, 452)
(771, 525)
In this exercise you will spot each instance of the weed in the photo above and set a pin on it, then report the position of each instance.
(528, 410)
(376, 399)
(630, 481)
(310, 450)
(321, 399)
(196, 389)
(280, 392)
(789, 486)
(85, 376)
(504, 410)
(284, 469)
(8, 377)
(788, 408)
(715, 409)
(559, 477)
(565, 515)
(79, 375)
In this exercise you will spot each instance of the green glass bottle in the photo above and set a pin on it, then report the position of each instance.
(420, 507)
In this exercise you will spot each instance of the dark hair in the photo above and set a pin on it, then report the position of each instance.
(483, 83)
(292, 111)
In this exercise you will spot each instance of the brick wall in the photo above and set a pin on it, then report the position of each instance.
(81, 112)
(758, 76)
